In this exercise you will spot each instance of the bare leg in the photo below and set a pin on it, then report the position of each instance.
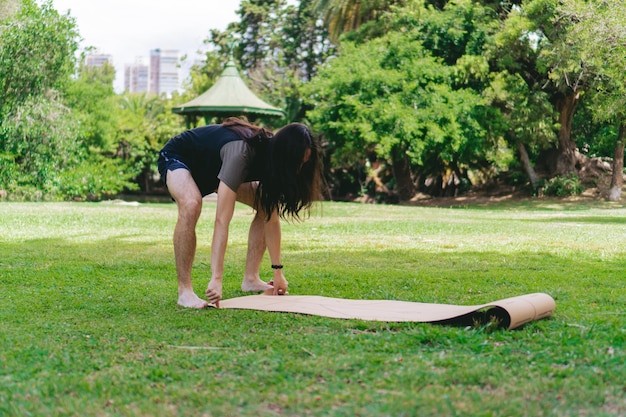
(256, 243)
(256, 249)
(189, 201)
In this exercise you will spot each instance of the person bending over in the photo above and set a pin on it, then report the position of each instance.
(277, 175)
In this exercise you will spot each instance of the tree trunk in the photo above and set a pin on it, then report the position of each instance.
(566, 152)
(401, 168)
(617, 179)
(527, 166)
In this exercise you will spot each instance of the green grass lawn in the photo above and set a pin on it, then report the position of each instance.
(89, 324)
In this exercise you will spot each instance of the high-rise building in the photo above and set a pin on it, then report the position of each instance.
(98, 60)
(163, 71)
(136, 76)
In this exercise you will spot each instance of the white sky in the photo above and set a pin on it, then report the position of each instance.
(127, 29)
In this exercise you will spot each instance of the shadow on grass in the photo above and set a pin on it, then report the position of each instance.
(585, 219)
(511, 202)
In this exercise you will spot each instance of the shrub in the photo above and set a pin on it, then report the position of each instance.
(563, 186)
(93, 180)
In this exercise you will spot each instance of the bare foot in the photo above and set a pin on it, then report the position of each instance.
(254, 284)
(191, 300)
(214, 292)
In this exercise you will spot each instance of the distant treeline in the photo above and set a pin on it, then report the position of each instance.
(427, 96)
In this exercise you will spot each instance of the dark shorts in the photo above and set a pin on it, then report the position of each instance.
(169, 162)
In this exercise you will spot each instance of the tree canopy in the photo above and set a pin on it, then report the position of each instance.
(431, 96)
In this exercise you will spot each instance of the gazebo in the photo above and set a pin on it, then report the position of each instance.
(229, 96)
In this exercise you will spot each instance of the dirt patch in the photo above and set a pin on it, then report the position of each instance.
(505, 195)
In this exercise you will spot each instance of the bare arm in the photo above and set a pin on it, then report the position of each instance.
(223, 215)
(273, 240)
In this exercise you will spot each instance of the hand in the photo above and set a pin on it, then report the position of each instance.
(280, 284)
(214, 292)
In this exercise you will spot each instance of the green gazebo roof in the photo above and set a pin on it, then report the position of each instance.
(229, 96)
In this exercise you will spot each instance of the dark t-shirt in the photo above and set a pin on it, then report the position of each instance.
(213, 153)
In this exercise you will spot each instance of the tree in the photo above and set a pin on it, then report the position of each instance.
(391, 98)
(259, 29)
(37, 132)
(92, 97)
(58, 133)
(458, 34)
(306, 41)
(597, 31)
(343, 16)
(38, 144)
(144, 124)
(541, 41)
(567, 74)
(36, 54)
(279, 46)
(526, 118)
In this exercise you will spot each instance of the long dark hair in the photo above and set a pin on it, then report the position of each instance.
(290, 184)
(287, 185)
(247, 130)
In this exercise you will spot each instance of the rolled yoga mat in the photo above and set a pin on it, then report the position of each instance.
(509, 312)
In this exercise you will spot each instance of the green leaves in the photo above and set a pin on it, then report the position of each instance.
(598, 36)
(37, 49)
(40, 135)
(391, 95)
(63, 136)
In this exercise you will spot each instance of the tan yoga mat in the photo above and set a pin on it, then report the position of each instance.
(509, 312)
